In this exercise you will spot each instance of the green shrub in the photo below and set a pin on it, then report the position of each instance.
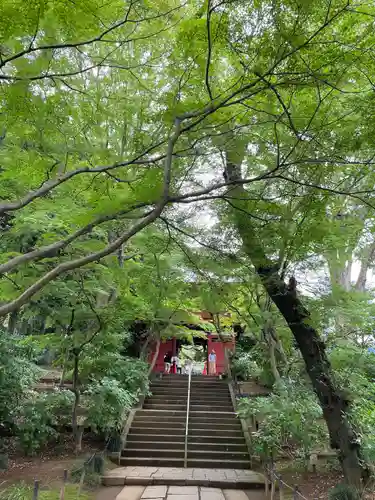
(40, 416)
(17, 376)
(289, 418)
(245, 368)
(344, 492)
(23, 491)
(107, 405)
(90, 468)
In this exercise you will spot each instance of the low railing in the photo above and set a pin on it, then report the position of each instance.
(187, 420)
(274, 481)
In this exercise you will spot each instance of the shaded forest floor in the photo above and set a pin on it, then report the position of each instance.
(48, 465)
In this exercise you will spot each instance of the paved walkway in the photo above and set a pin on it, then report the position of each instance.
(214, 478)
(161, 492)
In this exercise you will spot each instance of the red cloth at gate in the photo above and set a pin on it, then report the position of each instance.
(174, 368)
(205, 368)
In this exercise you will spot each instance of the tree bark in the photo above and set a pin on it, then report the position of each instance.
(155, 357)
(12, 322)
(333, 403)
(77, 432)
(360, 285)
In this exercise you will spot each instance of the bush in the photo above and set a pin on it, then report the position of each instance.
(40, 417)
(344, 492)
(244, 367)
(290, 418)
(23, 491)
(108, 405)
(92, 467)
(17, 376)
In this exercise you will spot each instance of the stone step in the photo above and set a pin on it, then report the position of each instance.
(166, 393)
(168, 385)
(175, 431)
(217, 455)
(156, 418)
(161, 413)
(218, 464)
(163, 452)
(210, 397)
(223, 391)
(164, 407)
(233, 481)
(208, 394)
(198, 432)
(212, 420)
(220, 440)
(145, 442)
(167, 437)
(227, 412)
(211, 408)
(208, 426)
(151, 461)
(224, 446)
(167, 401)
(208, 384)
(159, 424)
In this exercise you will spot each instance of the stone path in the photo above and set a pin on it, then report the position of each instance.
(162, 492)
(174, 476)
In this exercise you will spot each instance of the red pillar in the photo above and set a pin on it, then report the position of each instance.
(174, 349)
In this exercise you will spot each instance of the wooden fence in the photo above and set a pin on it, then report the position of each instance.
(274, 482)
(62, 488)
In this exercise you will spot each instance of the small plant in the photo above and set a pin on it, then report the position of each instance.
(89, 470)
(344, 492)
(19, 491)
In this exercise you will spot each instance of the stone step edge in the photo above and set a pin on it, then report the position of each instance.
(130, 438)
(241, 484)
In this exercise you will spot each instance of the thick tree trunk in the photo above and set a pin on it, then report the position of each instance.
(366, 261)
(155, 357)
(333, 403)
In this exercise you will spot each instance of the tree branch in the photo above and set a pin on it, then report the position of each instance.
(97, 256)
(209, 49)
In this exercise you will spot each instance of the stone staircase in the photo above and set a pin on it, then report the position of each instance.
(157, 433)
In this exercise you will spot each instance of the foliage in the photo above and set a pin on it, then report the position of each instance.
(90, 468)
(344, 492)
(23, 491)
(107, 404)
(290, 420)
(244, 367)
(17, 375)
(116, 121)
(41, 416)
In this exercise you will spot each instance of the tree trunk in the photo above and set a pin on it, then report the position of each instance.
(366, 261)
(333, 403)
(144, 349)
(77, 433)
(12, 322)
(62, 378)
(273, 362)
(155, 357)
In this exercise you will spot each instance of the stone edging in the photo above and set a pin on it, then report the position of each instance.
(244, 425)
